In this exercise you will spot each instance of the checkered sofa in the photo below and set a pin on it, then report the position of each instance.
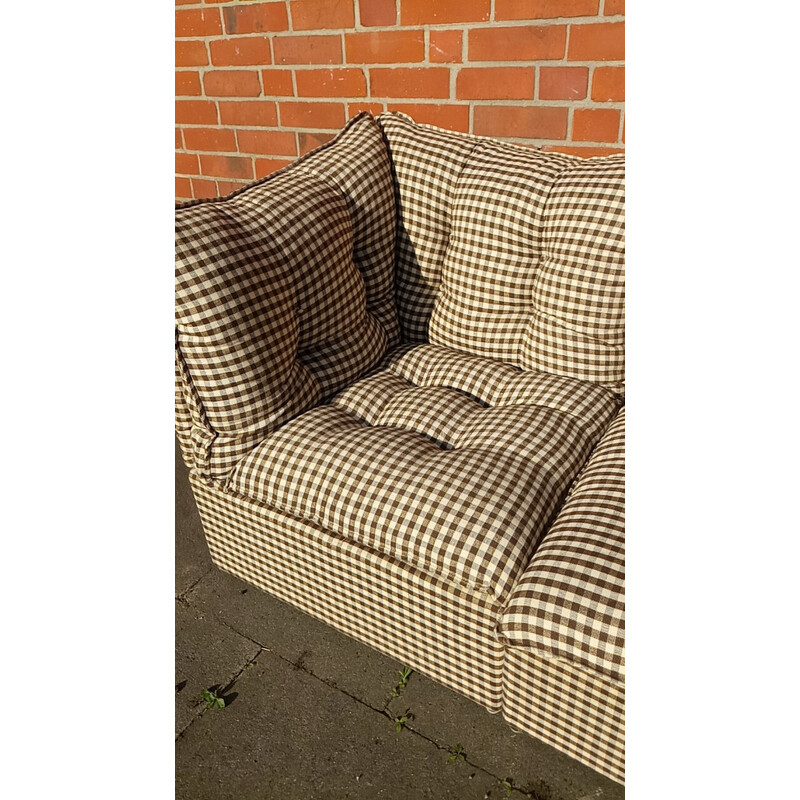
(399, 391)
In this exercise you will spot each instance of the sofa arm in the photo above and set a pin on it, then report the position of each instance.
(183, 419)
(570, 602)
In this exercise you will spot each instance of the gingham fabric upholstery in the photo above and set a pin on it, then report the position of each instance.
(284, 292)
(426, 162)
(510, 253)
(431, 625)
(449, 463)
(183, 420)
(575, 711)
(570, 601)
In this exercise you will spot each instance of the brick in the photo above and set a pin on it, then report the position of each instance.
(444, 47)
(266, 166)
(613, 7)
(186, 164)
(183, 189)
(195, 112)
(308, 140)
(595, 125)
(227, 167)
(323, 49)
(190, 54)
(178, 139)
(525, 43)
(358, 107)
(545, 9)
(439, 12)
(410, 82)
(312, 115)
(261, 113)
(495, 83)
(214, 140)
(608, 84)
(187, 83)
(197, 22)
(384, 47)
(277, 82)
(256, 18)
(203, 188)
(563, 83)
(241, 51)
(377, 12)
(347, 82)
(449, 116)
(583, 152)
(226, 187)
(319, 15)
(269, 143)
(602, 41)
(232, 83)
(524, 122)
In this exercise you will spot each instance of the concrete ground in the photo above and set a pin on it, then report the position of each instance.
(310, 712)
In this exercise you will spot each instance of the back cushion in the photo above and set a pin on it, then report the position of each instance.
(427, 163)
(284, 293)
(530, 252)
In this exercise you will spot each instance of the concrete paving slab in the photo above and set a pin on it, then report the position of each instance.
(290, 735)
(334, 657)
(206, 654)
(192, 560)
(450, 719)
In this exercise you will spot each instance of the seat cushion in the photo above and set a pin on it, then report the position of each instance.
(570, 601)
(511, 253)
(451, 463)
(284, 292)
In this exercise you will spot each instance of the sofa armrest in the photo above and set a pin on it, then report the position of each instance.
(570, 602)
(183, 419)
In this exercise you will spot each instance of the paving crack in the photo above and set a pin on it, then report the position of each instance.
(202, 709)
(181, 596)
(299, 664)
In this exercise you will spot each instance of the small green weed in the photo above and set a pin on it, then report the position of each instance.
(457, 755)
(507, 784)
(400, 722)
(404, 674)
(212, 699)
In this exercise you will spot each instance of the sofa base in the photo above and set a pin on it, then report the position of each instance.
(441, 630)
(575, 712)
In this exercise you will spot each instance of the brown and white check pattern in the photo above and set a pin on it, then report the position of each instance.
(578, 324)
(491, 264)
(576, 712)
(426, 162)
(429, 624)
(510, 253)
(570, 601)
(418, 509)
(452, 484)
(274, 286)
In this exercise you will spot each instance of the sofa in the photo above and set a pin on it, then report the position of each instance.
(399, 391)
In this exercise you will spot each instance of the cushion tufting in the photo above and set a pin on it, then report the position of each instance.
(284, 292)
(451, 463)
(511, 253)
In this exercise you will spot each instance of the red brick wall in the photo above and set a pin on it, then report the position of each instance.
(259, 83)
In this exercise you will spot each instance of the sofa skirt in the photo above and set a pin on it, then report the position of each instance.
(442, 630)
(576, 712)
